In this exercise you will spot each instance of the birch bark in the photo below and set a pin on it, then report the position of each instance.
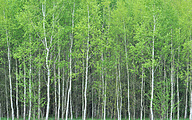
(17, 104)
(127, 67)
(30, 102)
(152, 82)
(172, 79)
(59, 86)
(55, 85)
(47, 59)
(70, 68)
(87, 65)
(63, 91)
(186, 94)
(141, 115)
(39, 91)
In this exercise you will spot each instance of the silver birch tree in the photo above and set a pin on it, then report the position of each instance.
(70, 67)
(17, 105)
(9, 61)
(39, 91)
(152, 70)
(87, 64)
(47, 62)
(172, 70)
(30, 93)
(141, 115)
(59, 84)
(24, 82)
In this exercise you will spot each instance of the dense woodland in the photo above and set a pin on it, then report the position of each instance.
(96, 59)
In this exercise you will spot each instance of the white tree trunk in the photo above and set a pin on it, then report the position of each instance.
(47, 58)
(30, 103)
(117, 92)
(59, 87)
(17, 105)
(63, 91)
(152, 82)
(68, 95)
(92, 103)
(120, 106)
(104, 94)
(10, 82)
(39, 92)
(9, 60)
(141, 115)
(172, 78)
(127, 66)
(87, 65)
(70, 68)
(55, 90)
(190, 116)
(186, 95)
(178, 85)
(71, 107)
(83, 82)
(24, 80)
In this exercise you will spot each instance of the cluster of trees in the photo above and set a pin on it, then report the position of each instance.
(96, 59)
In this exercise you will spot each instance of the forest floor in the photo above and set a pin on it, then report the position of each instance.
(92, 119)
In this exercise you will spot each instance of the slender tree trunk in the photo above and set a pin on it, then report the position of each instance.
(59, 86)
(34, 107)
(17, 105)
(120, 92)
(164, 69)
(55, 85)
(87, 65)
(24, 80)
(141, 115)
(92, 103)
(186, 95)
(70, 67)
(172, 78)
(6, 96)
(0, 111)
(127, 67)
(9, 60)
(190, 116)
(152, 82)
(117, 92)
(104, 94)
(83, 88)
(63, 91)
(144, 98)
(39, 91)
(10, 82)
(103, 81)
(178, 85)
(71, 107)
(134, 99)
(70, 79)
(105, 97)
(30, 103)
(47, 58)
